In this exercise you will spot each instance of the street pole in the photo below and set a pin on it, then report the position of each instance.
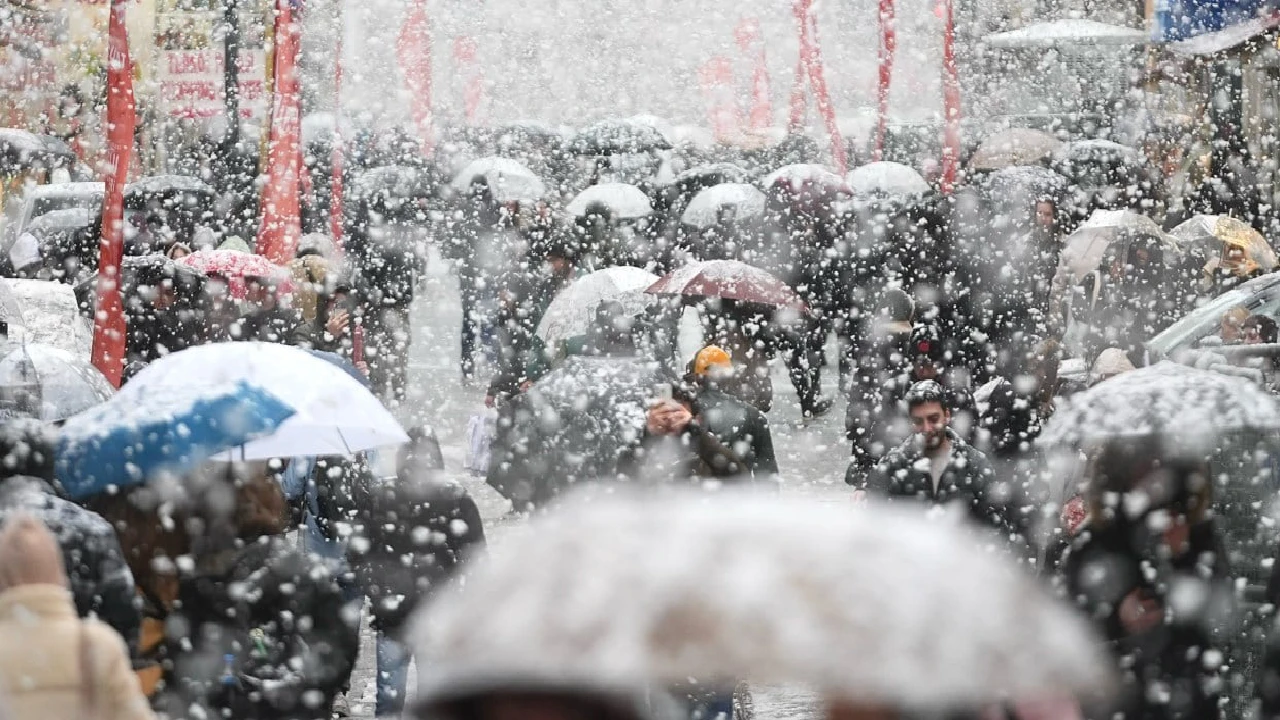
(231, 73)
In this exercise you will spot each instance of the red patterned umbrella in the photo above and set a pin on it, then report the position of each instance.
(235, 266)
(729, 280)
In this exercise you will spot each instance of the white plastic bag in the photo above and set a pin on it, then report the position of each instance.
(480, 432)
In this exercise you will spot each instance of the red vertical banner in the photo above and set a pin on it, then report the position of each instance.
(465, 51)
(281, 220)
(722, 107)
(818, 81)
(888, 44)
(751, 43)
(950, 100)
(335, 155)
(108, 320)
(413, 52)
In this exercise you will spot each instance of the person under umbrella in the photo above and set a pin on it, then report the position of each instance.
(729, 439)
(883, 373)
(1149, 568)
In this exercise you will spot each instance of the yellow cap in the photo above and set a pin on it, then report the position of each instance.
(710, 357)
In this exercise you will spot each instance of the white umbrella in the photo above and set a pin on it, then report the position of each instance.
(885, 179)
(1014, 147)
(704, 210)
(1085, 247)
(509, 180)
(796, 176)
(1189, 407)
(334, 413)
(573, 309)
(50, 315)
(625, 201)
(876, 605)
(66, 384)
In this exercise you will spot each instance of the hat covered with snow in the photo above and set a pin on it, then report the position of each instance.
(1111, 362)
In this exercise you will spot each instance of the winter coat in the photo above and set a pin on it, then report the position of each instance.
(1103, 567)
(727, 439)
(882, 377)
(968, 478)
(100, 580)
(413, 537)
(278, 325)
(54, 666)
(260, 633)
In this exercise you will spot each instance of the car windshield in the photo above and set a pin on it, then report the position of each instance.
(1204, 320)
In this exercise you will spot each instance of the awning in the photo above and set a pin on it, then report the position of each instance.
(1226, 38)
(1067, 32)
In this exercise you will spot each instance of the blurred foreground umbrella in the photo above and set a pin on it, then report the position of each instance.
(624, 201)
(63, 384)
(618, 137)
(728, 280)
(1086, 246)
(860, 604)
(509, 180)
(1015, 146)
(887, 180)
(1216, 232)
(146, 429)
(1190, 407)
(334, 413)
(573, 425)
(573, 310)
(711, 206)
(236, 266)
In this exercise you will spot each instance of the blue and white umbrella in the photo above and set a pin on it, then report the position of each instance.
(144, 430)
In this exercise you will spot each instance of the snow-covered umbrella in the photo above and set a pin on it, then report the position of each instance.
(886, 180)
(56, 221)
(1086, 246)
(712, 174)
(708, 206)
(165, 185)
(148, 428)
(1015, 146)
(1216, 231)
(62, 384)
(572, 311)
(10, 305)
(49, 315)
(509, 180)
(728, 280)
(399, 182)
(1185, 405)
(618, 137)
(624, 200)
(574, 425)
(859, 604)
(237, 267)
(802, 176)
(1024, 182)
(334, 413)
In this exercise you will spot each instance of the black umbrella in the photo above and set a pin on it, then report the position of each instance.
(617, 137)
(573, 425)
(21, 150)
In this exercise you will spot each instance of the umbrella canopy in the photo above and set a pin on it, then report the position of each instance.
(1187, 405)
(618, 137)
(509, 180)
(711, 174)
(236, 266)
(146, 429)
(1024, 182)
(625, 201)
(1223, 230)
(573, 425)
(398, 181)
(63, 384)
(334, 413)
(1096, 163)
(861, 605)
(62, 220)
(21, 150)
(729, 280)
(799, 177)
(50, 315)
(164, 185)
(1015, 146)
(886, 180)
(572, 311)
(707, 207)
(1086, 246)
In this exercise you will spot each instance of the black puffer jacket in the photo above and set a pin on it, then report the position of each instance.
(261, 634)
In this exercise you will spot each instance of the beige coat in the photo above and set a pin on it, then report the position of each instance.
(44, 649)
